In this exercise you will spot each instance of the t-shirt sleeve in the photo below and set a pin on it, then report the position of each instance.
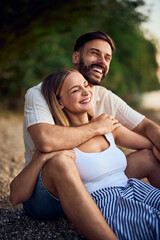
(36, 109)
(125, 114)
(105, 101)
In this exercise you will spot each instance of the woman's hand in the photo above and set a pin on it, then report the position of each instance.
(44, 157)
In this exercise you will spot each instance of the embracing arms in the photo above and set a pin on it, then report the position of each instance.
(49, 137)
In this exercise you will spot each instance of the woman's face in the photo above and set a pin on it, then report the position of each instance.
(76, 95)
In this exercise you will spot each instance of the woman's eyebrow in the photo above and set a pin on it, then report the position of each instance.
(75, 86)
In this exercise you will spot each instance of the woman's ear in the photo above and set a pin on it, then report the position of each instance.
(76, 57)
(60, 104)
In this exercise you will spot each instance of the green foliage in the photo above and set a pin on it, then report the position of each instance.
(38, 38)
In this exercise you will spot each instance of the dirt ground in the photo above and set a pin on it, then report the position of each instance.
(11, 153)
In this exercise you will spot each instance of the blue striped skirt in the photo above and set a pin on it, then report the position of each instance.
(132, 212)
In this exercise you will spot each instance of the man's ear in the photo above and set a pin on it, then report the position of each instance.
(76, 57)
(60, 104)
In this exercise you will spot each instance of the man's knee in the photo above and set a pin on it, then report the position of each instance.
(141, 163)
(149, 158)
(147, 153)
(141, 156)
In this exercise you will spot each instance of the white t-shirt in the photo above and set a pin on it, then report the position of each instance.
(36, 110)
(102, 169)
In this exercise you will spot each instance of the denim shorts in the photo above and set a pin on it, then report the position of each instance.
(42, 204)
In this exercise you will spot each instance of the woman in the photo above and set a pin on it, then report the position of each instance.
(130, 207)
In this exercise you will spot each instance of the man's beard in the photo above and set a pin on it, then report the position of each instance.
(85, 71)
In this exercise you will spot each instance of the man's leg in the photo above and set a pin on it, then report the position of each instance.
(60, 176)
(142, 164)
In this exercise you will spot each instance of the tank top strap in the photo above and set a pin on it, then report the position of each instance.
(110, 138)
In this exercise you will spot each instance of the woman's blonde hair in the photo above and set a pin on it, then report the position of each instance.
(51, 88)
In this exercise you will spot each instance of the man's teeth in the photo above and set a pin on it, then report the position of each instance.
(85, 101)
(97, 70)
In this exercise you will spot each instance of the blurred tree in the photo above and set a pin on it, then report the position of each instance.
(37, 38)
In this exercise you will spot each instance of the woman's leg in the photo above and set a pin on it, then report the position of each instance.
(61, 178)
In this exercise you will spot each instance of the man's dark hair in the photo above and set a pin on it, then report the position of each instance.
(91, 36)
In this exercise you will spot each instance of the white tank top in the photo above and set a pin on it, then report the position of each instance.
(102, 169)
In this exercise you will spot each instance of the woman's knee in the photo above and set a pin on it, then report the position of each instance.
(60, 163)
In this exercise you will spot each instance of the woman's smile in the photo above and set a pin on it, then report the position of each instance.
(87, 100)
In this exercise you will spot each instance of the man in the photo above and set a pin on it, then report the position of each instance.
(92, 57)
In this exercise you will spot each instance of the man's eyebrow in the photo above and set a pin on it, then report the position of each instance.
(97, 50)
(94, 49)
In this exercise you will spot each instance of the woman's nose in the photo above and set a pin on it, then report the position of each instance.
(85, 92)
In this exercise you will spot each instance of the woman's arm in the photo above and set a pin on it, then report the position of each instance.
(23, 184)
(129, 139)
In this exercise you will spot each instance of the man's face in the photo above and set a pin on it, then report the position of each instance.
(94, 60)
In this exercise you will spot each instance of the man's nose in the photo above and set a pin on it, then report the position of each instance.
(102, 60)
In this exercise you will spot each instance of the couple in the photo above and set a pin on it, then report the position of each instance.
(105, 180)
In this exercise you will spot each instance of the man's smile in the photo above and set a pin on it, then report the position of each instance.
(98, 70)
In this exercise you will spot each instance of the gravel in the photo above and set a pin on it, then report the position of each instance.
(15, 225)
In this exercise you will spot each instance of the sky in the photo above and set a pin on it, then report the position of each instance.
(152, 27)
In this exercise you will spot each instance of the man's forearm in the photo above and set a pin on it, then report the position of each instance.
(150, 130)
(47, 137)
(55, 138)
(153, 133)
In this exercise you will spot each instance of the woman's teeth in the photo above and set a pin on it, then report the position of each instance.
(85, 101)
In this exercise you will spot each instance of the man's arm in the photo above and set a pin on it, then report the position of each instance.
(150, 130)
(49, 137)
(113, 105)
(130, 139)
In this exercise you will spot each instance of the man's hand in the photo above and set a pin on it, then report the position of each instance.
(105, 124)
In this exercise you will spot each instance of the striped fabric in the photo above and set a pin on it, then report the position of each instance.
(132, 212)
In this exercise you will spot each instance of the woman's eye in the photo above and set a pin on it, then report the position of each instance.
(76, 90)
